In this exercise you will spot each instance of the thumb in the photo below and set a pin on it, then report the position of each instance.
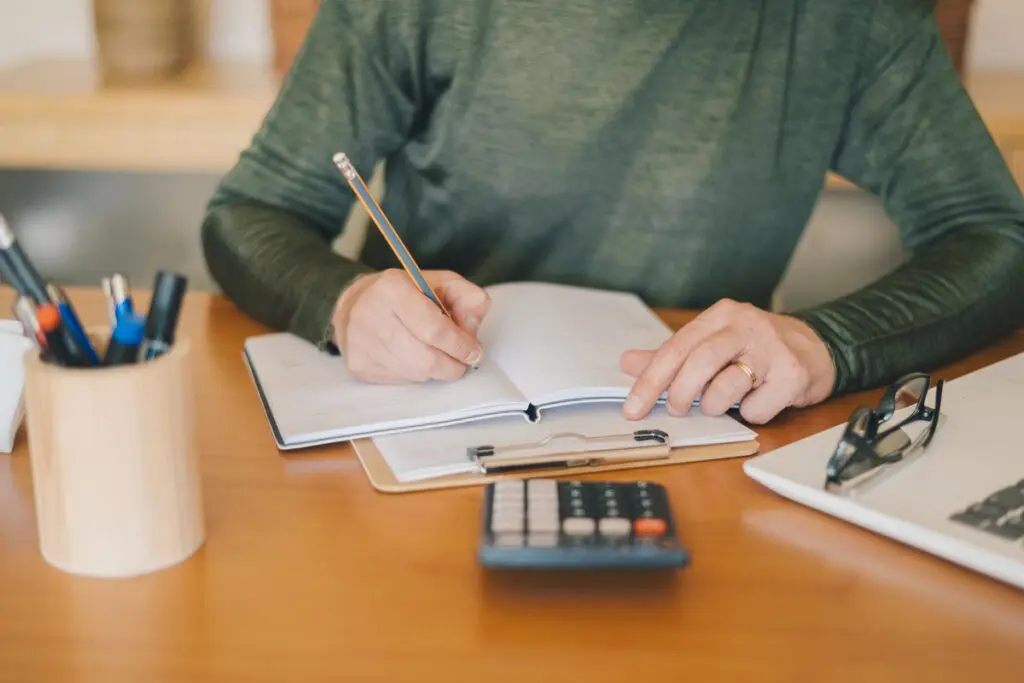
(467, 302)
(635, 361)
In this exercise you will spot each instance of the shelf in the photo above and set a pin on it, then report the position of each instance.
(58, 115)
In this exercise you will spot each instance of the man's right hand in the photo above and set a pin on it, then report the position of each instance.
(390, 333)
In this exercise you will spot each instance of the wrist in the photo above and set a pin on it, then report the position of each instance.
(817, 358)
(342, 307)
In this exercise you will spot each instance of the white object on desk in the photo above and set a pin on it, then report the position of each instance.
(13, 345)
(976, 452)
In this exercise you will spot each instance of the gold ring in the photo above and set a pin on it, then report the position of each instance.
(746, 368)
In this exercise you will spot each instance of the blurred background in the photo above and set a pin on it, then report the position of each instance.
(117, 117)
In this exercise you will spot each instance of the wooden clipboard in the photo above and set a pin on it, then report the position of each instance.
(383, 479)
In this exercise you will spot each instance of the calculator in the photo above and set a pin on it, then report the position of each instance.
(556, 524)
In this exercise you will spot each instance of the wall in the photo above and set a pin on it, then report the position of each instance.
(80, 226)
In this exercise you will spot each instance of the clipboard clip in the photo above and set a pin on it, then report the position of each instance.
(642, 444)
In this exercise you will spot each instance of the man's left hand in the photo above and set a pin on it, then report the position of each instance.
(707, 359)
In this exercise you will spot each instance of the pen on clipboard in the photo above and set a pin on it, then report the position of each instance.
(384, 225)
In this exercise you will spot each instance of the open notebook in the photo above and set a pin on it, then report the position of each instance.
(544, 345)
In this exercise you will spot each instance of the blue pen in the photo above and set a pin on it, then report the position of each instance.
(125, 340)
(72, 324)
(121, 295)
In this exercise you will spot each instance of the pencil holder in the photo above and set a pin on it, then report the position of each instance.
(114, 464)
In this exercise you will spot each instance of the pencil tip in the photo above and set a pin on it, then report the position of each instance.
(340, 158)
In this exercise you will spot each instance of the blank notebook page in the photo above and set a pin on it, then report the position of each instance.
(557, 342)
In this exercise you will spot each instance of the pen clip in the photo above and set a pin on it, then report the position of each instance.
(494, 459)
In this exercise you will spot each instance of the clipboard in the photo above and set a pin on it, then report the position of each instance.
(383, 479)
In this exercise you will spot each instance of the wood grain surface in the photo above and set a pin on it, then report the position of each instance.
(310, 575)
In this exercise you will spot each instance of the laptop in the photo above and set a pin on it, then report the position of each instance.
(960, 498)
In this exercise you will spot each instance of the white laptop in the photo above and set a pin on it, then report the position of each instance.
(961, 498)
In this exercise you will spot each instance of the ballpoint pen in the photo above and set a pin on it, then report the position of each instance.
(121, 294)
(123, 348)
(25, 312)
(107, 287)
(72, 324)
(18, 269)
(51, 325)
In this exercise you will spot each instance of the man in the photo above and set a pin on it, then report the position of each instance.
(673, 148)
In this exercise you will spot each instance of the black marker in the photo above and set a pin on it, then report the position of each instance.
(18, 269)
(162, 319)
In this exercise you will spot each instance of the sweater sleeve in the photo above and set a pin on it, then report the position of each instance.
(914, 138)
(269, 227)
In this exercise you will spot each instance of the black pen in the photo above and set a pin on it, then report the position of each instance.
(123, 348)
(162, 319)
(50, 323)
(20, 270)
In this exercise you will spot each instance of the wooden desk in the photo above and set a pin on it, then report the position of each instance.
(310, 575)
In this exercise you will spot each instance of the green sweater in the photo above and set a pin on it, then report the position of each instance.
(672, 148)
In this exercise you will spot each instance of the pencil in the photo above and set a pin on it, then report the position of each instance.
(384, 225)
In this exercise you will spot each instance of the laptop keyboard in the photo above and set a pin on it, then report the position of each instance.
(1000, 514)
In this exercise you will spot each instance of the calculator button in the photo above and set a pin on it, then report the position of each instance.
(578, 526)
(542, 489)
(543, 522)
(508, 540)
(614, 526)
(650, 526)
(542, 540)
(506, 523)
(508, 486)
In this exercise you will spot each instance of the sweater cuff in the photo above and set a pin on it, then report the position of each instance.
(845, 381)
(312, 318)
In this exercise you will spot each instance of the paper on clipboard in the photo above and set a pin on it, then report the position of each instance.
(432, 453)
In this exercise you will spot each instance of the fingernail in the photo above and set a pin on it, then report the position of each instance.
(673, 411)
(632, 406)
(474, 357)
(472, 322)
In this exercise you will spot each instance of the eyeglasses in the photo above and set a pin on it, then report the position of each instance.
(868, 444)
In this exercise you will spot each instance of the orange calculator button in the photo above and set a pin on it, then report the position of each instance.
(650, 526)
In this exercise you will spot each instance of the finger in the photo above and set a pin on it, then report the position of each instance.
(412, 358)
(432, 327)
(707, 359)
(467, 302)
(635, 361)
(662, 369)
(726, 389)
(765, 402)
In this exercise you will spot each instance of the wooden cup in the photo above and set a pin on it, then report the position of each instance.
(114, 464)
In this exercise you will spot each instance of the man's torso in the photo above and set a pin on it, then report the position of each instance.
(674, 148)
